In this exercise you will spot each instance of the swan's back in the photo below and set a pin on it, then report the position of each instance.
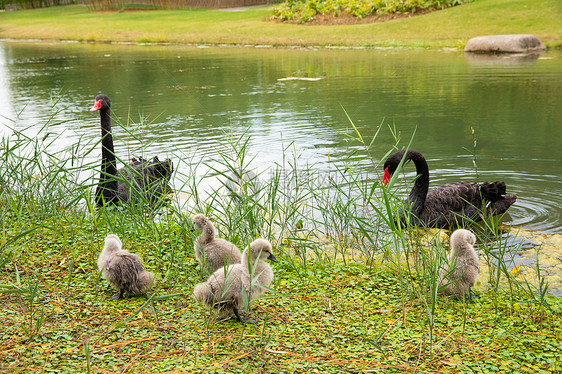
(145, 180)
(455, 203)
(223, 289)
(221, 253)
(123, 269)
(451, 202)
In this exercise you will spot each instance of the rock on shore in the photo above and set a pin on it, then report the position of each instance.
(517, 43)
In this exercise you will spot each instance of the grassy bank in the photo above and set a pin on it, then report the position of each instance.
(451, 27)
(349, 295)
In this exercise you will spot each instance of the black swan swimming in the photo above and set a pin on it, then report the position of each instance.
(452, 204)
(148, 178)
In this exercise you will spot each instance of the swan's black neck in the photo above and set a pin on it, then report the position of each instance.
(108, 184)
(421, 186)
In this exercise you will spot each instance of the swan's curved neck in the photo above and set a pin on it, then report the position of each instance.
(107, 151)
(107, 188)
(245, 259)
(421, 186)
(208, 233)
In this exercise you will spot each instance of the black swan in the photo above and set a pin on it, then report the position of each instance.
(226, 289)
(452, 204)
(123, 269)
(211, 252)
(463, 264)
(149, 178)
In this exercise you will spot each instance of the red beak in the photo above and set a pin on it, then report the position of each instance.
(97, 106)
(386, 177)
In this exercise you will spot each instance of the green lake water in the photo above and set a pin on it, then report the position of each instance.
(192, 96)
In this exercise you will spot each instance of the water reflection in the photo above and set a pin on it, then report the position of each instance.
(6, 110)
(502, 58)
(188, 98)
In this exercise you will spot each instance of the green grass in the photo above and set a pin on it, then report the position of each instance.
(349, 294)
(341, 319)
(451, 27)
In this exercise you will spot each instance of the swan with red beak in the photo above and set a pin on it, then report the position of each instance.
(452, 204)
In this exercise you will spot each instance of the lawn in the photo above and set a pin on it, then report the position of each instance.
(450, 27)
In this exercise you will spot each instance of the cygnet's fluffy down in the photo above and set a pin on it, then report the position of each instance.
(227, 288)
(211, 252)
(463, 264)
(123, 269)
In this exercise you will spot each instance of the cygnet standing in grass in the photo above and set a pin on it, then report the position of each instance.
(123, 269)
(463, 264)
(228, 288)
(211, 252)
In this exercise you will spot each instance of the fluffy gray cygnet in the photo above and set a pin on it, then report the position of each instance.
(463, 264)
(123, 269)
(227, 288)
(211, 252)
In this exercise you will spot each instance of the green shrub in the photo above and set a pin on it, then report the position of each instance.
(303, 11)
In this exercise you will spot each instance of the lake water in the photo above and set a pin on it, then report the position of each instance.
(192, 96)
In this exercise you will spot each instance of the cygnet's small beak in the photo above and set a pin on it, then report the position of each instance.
(272, 258)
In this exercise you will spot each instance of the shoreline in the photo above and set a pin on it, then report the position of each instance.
(241, 45)
(443, 49)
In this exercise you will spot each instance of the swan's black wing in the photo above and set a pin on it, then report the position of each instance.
(497, 202)
(451, 204)
(148, 180)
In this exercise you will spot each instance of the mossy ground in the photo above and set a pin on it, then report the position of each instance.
(353, 316)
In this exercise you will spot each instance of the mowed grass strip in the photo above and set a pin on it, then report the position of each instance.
(450, 27)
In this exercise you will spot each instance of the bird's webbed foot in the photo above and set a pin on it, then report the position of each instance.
(472, 295)
(118, 296)
(243, 319)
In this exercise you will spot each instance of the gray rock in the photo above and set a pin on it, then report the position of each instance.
(517, 43)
